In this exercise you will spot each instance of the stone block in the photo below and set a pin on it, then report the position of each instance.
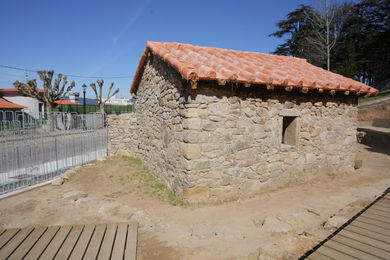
(218, 109)
(191, 112)
(232, 171)
(191, 151)
(195, 137)
(192, 123)
(194, 165)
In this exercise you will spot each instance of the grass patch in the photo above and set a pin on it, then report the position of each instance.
(379, 96)
(148, 184)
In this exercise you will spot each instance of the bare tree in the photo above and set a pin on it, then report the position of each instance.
(326, 23)
(99, 93)
(52, 92)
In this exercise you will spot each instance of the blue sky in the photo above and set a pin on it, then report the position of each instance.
(106, 38)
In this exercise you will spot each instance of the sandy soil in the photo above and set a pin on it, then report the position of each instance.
(232, 230)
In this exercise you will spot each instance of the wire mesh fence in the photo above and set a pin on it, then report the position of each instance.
(31, 152)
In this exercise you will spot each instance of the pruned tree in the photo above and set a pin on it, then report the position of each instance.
(99, 93)
(52, 91)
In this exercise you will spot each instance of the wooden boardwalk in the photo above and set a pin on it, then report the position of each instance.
(102, 241)
(365, 236)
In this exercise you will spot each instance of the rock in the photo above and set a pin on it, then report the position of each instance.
(191, 151)
(107, 207)
(232, 171)
(137, 216)
(335, 222)
(74, 195)
(273, 224)
(161, 226)
(57, 182)
(358, 164)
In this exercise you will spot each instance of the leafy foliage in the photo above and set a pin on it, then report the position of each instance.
(363, 40)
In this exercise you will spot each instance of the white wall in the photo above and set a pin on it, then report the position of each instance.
(31, 104)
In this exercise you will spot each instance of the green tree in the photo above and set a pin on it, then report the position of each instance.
(363, 52)
(298, 28)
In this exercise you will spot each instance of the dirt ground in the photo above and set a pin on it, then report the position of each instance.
(281, 224)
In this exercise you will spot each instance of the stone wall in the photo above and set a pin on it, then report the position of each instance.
(217, 142)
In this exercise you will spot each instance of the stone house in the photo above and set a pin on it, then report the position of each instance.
(215, 123)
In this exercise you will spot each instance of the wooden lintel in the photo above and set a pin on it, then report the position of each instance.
(194, 84)
(221, 82)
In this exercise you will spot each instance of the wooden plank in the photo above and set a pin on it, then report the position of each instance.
(376, 217)
(350, 251)
(370, 227)
(14, 243)
(365, 239)
(70, 242)
(108, 242)
(369, 233)
(379, 207)
(28, 243)
(374, 222)
(82, 244)
(120, 242)
(330, 252)
(131, 242)
(382, 204)
(7, 236)
(96, 241)
(318, 256)
(361, 246)
(2, 230)
(56, 243)
(42, 243)
(378, 212)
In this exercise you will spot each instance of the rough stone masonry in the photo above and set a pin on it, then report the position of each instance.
(218, 142)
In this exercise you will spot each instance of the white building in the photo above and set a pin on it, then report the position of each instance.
(33, 106)
(118, 101)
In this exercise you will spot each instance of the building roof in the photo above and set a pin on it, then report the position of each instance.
(196, 63)
(16, 90)
(7, 104)
(65, 102)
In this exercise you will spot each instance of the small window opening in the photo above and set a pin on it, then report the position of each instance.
(290, 130)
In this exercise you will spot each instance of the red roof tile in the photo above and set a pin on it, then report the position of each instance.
(65, 102)
(16, 90)
(7, 104)
(207, 63)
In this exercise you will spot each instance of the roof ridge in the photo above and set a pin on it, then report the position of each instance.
(232, 50)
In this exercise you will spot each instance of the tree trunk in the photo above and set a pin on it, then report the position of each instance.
(101, 108)
(50, 119)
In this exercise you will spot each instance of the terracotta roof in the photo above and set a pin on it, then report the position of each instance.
(16, 90)
(65, 102)
(7, 104)
(196, 63)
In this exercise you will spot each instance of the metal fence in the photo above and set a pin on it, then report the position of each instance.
(32, 153)
(108, 109)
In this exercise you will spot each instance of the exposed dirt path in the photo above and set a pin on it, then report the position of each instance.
(232, 230)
